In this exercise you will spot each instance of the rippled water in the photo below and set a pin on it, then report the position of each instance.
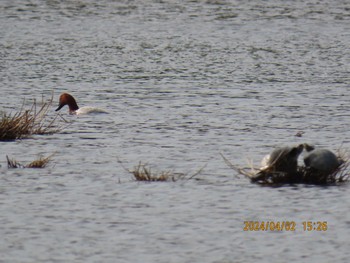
(183, 81)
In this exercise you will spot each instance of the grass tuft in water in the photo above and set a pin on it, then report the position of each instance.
(28, 122)
(41, 162)
(143, 172)
(12, 163)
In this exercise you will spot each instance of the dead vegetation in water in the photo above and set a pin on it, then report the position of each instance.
(339, 175)
(12, 163)
(27, 122)
(144, 172)
(41, 162)
(304, 175)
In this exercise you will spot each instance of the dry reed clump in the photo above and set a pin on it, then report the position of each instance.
(304, 175)
(41, 162)
(28, 122)
(143, 172)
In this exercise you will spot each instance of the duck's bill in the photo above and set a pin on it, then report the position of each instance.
(59, 107)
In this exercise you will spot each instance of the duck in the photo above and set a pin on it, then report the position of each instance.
(67, 99)
(322, 161)
(283, 159)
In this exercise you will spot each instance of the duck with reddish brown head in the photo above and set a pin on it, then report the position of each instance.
(67, 99)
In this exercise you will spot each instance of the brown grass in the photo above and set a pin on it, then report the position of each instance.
(28, 122)
(41, 162)
(12, 163)
(303, 175)
(143, 172)
(339, 175)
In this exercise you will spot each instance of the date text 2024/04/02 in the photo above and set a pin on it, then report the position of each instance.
(284, 226)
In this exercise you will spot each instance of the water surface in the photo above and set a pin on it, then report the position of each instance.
(183, 81)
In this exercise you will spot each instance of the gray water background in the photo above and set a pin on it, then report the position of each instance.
(183, 81)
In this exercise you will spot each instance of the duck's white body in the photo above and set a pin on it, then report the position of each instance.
(88, 110)
(67, 99)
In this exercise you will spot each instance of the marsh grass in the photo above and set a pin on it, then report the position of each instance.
(144, 172)
(41, 162)
(269, 177)
(28, 122)
(12, 163)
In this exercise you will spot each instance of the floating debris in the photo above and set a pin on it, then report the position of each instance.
(299, 134)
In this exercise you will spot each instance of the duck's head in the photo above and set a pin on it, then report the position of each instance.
(309, 147)
(296, 151)
(67, 99)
